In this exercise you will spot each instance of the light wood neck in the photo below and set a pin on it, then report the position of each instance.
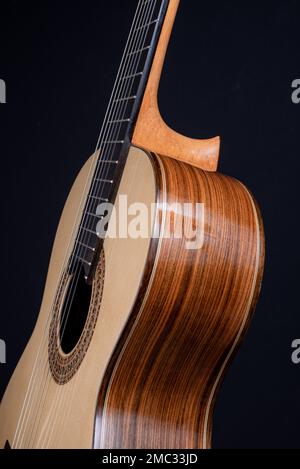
(152, 133)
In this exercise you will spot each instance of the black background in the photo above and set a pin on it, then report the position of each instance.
(228, 71)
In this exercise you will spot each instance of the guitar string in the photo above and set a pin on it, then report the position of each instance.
(75, 223)
(65, 395)
(75, 272)
(128, 87)
(136, 61)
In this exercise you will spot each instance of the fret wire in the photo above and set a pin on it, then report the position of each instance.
(109, 161)
(79, 258)
(147, 24)
(118, 121)
(98, 198)
(85, 246)
(88, 230)
(113, 142)
(134, 75)
(90, 214)
(106, 181)
(127, 98)
(139, 50)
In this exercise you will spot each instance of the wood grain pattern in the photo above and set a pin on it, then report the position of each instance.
(160, 386)
(152, 133)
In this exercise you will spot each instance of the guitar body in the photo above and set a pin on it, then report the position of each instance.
(138, 324)
(169, 321)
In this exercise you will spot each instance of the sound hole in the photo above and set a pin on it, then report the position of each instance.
(74, 312)
(73, 322)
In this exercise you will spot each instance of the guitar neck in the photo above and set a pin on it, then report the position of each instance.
(117, 131)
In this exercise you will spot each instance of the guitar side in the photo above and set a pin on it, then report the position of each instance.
(160, 387)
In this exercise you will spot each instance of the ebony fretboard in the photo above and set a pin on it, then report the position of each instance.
(115, 137)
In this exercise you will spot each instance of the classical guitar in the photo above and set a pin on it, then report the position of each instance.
(139, 320)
